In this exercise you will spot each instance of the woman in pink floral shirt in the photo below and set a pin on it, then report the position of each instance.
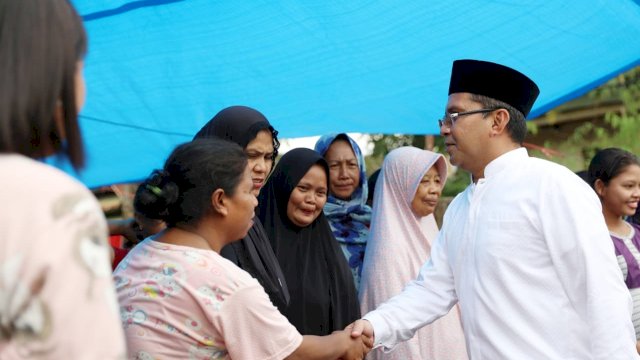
(179, 298)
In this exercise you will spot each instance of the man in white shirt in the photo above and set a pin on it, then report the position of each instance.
(524, 250)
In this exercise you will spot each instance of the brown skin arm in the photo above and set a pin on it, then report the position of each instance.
(339, 345)
(124, 227)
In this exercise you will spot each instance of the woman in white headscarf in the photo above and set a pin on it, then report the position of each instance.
(402, 230)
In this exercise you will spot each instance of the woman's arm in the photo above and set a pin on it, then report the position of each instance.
(254, 329)
(340, 344)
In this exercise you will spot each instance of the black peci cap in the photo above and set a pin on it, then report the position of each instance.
(495, 81)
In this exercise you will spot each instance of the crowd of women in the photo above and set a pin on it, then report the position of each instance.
(305, 247)
(244, 258)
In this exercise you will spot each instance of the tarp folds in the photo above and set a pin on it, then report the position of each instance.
(159, 69)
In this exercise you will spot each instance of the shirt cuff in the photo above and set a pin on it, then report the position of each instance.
(381, 333)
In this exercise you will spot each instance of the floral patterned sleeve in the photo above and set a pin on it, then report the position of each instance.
(254, 329)
(57, 299)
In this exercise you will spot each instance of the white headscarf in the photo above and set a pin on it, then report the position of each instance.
(399, 244)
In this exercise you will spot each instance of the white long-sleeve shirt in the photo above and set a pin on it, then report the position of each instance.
(526, 253)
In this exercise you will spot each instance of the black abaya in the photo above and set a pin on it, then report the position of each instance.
(253, 254)
(323, 295)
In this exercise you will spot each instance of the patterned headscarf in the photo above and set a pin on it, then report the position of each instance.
(349, 219)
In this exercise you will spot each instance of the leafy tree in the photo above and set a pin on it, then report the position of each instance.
(383, 144)
(619, 129)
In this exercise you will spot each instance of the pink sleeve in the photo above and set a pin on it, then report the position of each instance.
(61, 286)
(254, 329)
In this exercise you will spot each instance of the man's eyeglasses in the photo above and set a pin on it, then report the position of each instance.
(450, 119)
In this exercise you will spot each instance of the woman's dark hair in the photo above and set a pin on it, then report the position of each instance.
(41, 43)
(371, 184)
(584, 175)
(144, 201)
(609, 163)
(181, 191)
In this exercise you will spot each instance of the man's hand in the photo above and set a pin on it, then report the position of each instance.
(361, 333)
(361, 328)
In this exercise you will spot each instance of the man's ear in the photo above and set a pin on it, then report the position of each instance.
(219, 202)
(599, 187)
(500, 120)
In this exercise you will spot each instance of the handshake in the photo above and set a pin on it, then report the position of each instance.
(352, 343)
(357, 338)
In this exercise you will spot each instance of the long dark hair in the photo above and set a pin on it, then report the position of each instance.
(181, 191)
(41, 43)
(609, 163)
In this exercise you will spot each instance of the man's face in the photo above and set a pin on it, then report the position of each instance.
(466, 138)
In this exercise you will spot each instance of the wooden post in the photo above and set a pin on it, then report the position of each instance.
(429, 142)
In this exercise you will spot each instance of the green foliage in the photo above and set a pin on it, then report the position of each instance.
(457, 181)
(372, 163)
(383, 144)
(532, 128)
(620, 129)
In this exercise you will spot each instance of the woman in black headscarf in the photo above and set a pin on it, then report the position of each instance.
(323, 295)
(252, 131)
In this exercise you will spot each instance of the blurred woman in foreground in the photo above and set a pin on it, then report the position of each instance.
(54, 257)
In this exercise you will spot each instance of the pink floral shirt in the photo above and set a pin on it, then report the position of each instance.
(185, 303)
(57, 299)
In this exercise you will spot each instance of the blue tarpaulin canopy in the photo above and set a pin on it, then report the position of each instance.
(157, 70)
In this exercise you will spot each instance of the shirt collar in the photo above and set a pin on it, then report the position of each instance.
(505, 160)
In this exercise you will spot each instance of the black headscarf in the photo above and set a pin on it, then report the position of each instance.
(240, 124)
(253, 254)
(323, 296)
